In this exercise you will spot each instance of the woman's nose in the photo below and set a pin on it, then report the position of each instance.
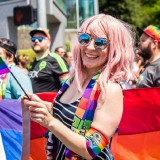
(91, 45)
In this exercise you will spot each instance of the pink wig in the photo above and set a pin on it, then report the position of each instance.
(119, 63)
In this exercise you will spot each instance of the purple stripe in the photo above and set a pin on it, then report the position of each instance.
(92, 104)
(87, 93)
(10, 115)
(89, 149)
(4, 71)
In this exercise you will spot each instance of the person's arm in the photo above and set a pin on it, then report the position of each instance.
(106, 119)
(59, 67)
(63, 77)
(157, 77)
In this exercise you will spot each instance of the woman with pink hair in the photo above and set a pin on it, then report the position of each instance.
(88, 108)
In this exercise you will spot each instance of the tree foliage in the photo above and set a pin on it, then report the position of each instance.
(138, 13)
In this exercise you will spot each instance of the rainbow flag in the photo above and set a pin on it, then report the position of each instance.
(3, 67)
(137, 138)
(38, 142)
(17, 142)
(138, 135)
(14, 138)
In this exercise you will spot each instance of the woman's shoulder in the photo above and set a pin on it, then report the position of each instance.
(111, 92)
(113, 87)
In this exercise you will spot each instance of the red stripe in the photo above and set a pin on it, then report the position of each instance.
(141, 111)
(37, 131)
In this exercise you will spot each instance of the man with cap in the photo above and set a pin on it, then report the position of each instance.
(48, 70)
(9, 87)
(149, 46)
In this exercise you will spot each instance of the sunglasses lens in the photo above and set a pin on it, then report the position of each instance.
(84, 39)
(33, 39)
(100, 43)
(40, 39)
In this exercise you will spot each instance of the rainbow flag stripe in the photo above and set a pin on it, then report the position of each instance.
(95, 149)
(3, 67)
(13, 136)
(139, 129)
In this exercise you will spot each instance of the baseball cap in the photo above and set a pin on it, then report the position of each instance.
(153, 32)
(40, 30)
(8, 45)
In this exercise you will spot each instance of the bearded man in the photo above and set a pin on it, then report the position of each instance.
(149, 45)
(48, 71)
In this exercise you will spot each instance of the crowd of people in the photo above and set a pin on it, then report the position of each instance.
(105, 61)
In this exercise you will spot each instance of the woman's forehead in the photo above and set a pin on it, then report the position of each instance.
(95, 32)
(96, 29)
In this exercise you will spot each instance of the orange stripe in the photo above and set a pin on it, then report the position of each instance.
(37, 149)
(144, 146)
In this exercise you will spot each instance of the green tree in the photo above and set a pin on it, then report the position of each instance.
(151, 10)
(138, 13)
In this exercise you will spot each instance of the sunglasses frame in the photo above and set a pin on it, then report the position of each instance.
(97, 47)
(37, 38)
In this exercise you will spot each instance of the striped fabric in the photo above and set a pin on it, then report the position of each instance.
(96, 142)
(85, 111)
(68, 114)
(65, 113)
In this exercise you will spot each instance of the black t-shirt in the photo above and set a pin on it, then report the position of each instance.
(45, 72)
(150, 77)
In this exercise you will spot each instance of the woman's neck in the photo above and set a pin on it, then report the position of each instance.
(91, 73)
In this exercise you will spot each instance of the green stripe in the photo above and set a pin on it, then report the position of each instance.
(60, 61)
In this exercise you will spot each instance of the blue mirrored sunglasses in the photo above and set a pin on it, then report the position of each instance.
(100, 43)
(40, 39)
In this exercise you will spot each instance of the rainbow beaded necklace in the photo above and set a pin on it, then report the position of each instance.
(85, 111)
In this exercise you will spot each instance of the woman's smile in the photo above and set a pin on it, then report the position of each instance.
(91, 56)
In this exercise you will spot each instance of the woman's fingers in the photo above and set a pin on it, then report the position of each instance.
(31, 97)
(35, 115)
(40, 115)
(38, 110)
(34, 97)
(34, 104)
(37, 120)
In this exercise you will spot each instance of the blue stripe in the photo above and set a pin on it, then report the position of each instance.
(12, 142)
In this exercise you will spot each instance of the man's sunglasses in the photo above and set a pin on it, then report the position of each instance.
(100, 43)
(40, 39)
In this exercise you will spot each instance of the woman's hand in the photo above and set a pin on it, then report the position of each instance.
(39, 111)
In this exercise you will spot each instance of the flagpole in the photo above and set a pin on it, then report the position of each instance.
(20, 85)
